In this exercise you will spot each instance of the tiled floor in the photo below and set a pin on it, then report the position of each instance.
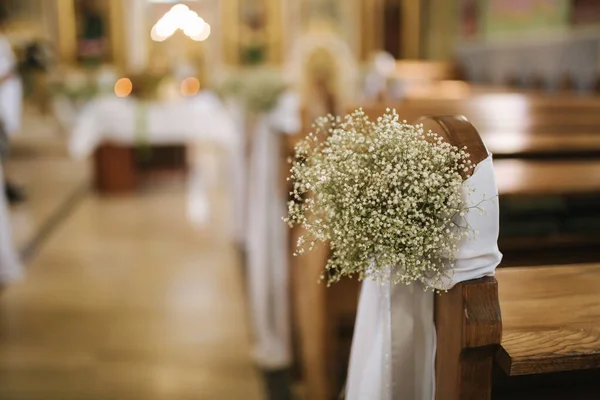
(124, 300)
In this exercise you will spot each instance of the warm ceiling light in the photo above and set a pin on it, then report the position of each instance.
(123, 87)
(180, 17)
(203, 35)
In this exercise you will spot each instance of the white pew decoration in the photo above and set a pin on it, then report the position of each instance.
(268, 273)
(346, 74)
(378, 75)
(391, 202)
(248, 95)
(393, 348)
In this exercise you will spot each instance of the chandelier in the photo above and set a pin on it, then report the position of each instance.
(180, 17)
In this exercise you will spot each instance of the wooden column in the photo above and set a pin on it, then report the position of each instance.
(66, 30)
(371, 27)
(230, 21)
(137, 34)
(118, 43)
(274, 31)
(411, 29)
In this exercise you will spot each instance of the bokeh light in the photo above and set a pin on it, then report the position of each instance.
(180, 17)
(203, 35)
(190, 86)
(123, 87)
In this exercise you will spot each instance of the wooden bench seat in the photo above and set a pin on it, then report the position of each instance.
(468, 318)
(518, 125)
(550, 318)
(532, 177)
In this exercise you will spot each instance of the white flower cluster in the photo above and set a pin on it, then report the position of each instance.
(259, 88)
(385, 196)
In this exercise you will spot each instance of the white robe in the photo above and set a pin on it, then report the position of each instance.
(10, 116)
(11, 91)
(393, 348)
(267, 242)
(10, 266)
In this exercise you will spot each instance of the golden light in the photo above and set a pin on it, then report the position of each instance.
(203, 35)
(190, 86)
(123, 87)
(182, 18)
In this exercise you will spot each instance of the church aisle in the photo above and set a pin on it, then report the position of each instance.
(126, 301)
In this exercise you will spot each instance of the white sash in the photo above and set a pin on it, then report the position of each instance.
(267, 242)
(393, 349)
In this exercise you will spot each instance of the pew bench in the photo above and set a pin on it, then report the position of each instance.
(518, 125)
(473, 340)
(550, 317)
(533, 335)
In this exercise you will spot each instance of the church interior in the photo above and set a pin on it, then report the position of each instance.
(146, 148)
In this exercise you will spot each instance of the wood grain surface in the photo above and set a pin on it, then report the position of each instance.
(551, 318)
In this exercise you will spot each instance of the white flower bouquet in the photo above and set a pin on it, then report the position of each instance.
(385, 195)
(259, 88)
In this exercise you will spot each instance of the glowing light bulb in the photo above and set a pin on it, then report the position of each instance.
(180, 17)
(166, 27)
(203, 35)
(190, 86)
(123, 87)
(194, 27)
(179, 9)
(155, 36)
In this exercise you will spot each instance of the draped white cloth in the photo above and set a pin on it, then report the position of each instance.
(238, 114)
(11, 91)
(201, 118)
(11, 98)
(267, 242)
(10, 266)
(393, 349)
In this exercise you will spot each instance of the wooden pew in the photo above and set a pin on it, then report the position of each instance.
(538, 337)
(551, 326)
(322, 313)
(517, 125)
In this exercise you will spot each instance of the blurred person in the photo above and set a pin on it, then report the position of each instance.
(34, 66)
(11, 103)
(10, 119)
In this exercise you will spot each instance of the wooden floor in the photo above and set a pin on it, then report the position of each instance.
(124, 300)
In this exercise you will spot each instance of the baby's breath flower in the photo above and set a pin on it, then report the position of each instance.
(385, 195)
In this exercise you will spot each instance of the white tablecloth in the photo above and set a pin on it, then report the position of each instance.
(193, 122)
(393, 349)
(267, 244)
(186, 121)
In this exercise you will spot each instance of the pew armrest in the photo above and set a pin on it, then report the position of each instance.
(469, 330)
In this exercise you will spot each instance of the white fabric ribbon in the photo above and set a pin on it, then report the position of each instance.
(267, 242)
(238, 169)
(10, 266)
(393, 349)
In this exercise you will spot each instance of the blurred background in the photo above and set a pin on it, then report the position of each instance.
(144, 146)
